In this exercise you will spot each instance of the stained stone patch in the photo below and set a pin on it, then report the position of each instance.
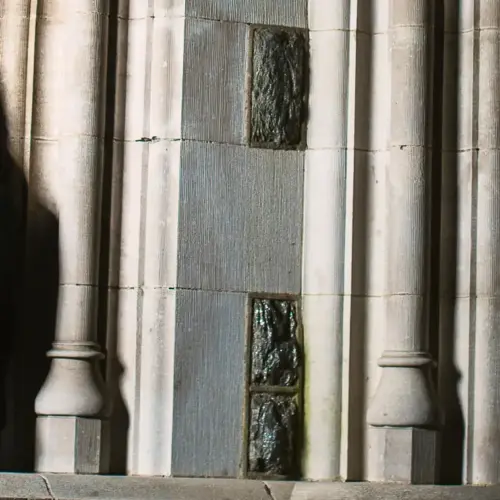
(275, 351)
(273, 432)
(278, 91)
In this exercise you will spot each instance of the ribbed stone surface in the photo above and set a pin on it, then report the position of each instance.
(282, 13)
(275, 351)
(279, 71)
(273, 433)
(209, 384)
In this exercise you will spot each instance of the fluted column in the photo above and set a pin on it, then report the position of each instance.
(66, 165)
(403, 409)
(14, 30)
(324, 236)
(486, 404)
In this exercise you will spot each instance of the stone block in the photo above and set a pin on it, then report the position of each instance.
(273, 433)
(276, 355)
(154, 388)
(323, 320)
(327, 126)
(274, 411)
(280, 13)
(405, 454)
(72, 445)
(213, 106)
(240, 219)
(278, 88)
(209, 384)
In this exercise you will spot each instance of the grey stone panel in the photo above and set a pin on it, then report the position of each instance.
(209, 384)
(276, 12)
(240, 219)
(215, 63)
(278, 89)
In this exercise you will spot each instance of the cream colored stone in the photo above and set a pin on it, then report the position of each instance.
(69, 106)
(405, 455)
(71, 445)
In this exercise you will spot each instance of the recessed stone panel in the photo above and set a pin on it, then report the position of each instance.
(275, 350)
(272, 434)
(278, 88)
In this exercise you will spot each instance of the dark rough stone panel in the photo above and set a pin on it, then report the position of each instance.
(273, 433)
(275, 350)
(279, 69)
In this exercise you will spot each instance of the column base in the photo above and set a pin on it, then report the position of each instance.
(405, 454)
(72, 445)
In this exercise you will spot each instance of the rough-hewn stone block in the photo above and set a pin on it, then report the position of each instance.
(273, 433)
(274, 388)
(278, 88)
(275, 351)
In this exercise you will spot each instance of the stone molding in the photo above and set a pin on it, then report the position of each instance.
(65, 487)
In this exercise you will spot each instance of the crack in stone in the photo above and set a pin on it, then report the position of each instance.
(268, 490)
(47, 485)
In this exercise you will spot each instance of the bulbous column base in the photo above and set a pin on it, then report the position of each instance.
(74, 385)
(72, 428)
(404, 454)
(404, 419)
(71, 445)
(404, 397)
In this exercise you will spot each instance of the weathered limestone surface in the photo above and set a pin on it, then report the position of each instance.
(67, 487)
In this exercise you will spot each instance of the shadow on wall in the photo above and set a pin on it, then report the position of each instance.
(109, 258)
(29, 266)
(29, 282)
(29, 279)
(443, 328)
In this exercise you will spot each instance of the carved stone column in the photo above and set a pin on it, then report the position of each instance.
(66, 163)
(403, 409)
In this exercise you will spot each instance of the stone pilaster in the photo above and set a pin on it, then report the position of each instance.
(324, 236)
(403, 411)
(485, 441)
(66, 165)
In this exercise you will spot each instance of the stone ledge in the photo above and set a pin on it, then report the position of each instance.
(66, 487)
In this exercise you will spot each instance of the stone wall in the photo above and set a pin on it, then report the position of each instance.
(278, 222)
